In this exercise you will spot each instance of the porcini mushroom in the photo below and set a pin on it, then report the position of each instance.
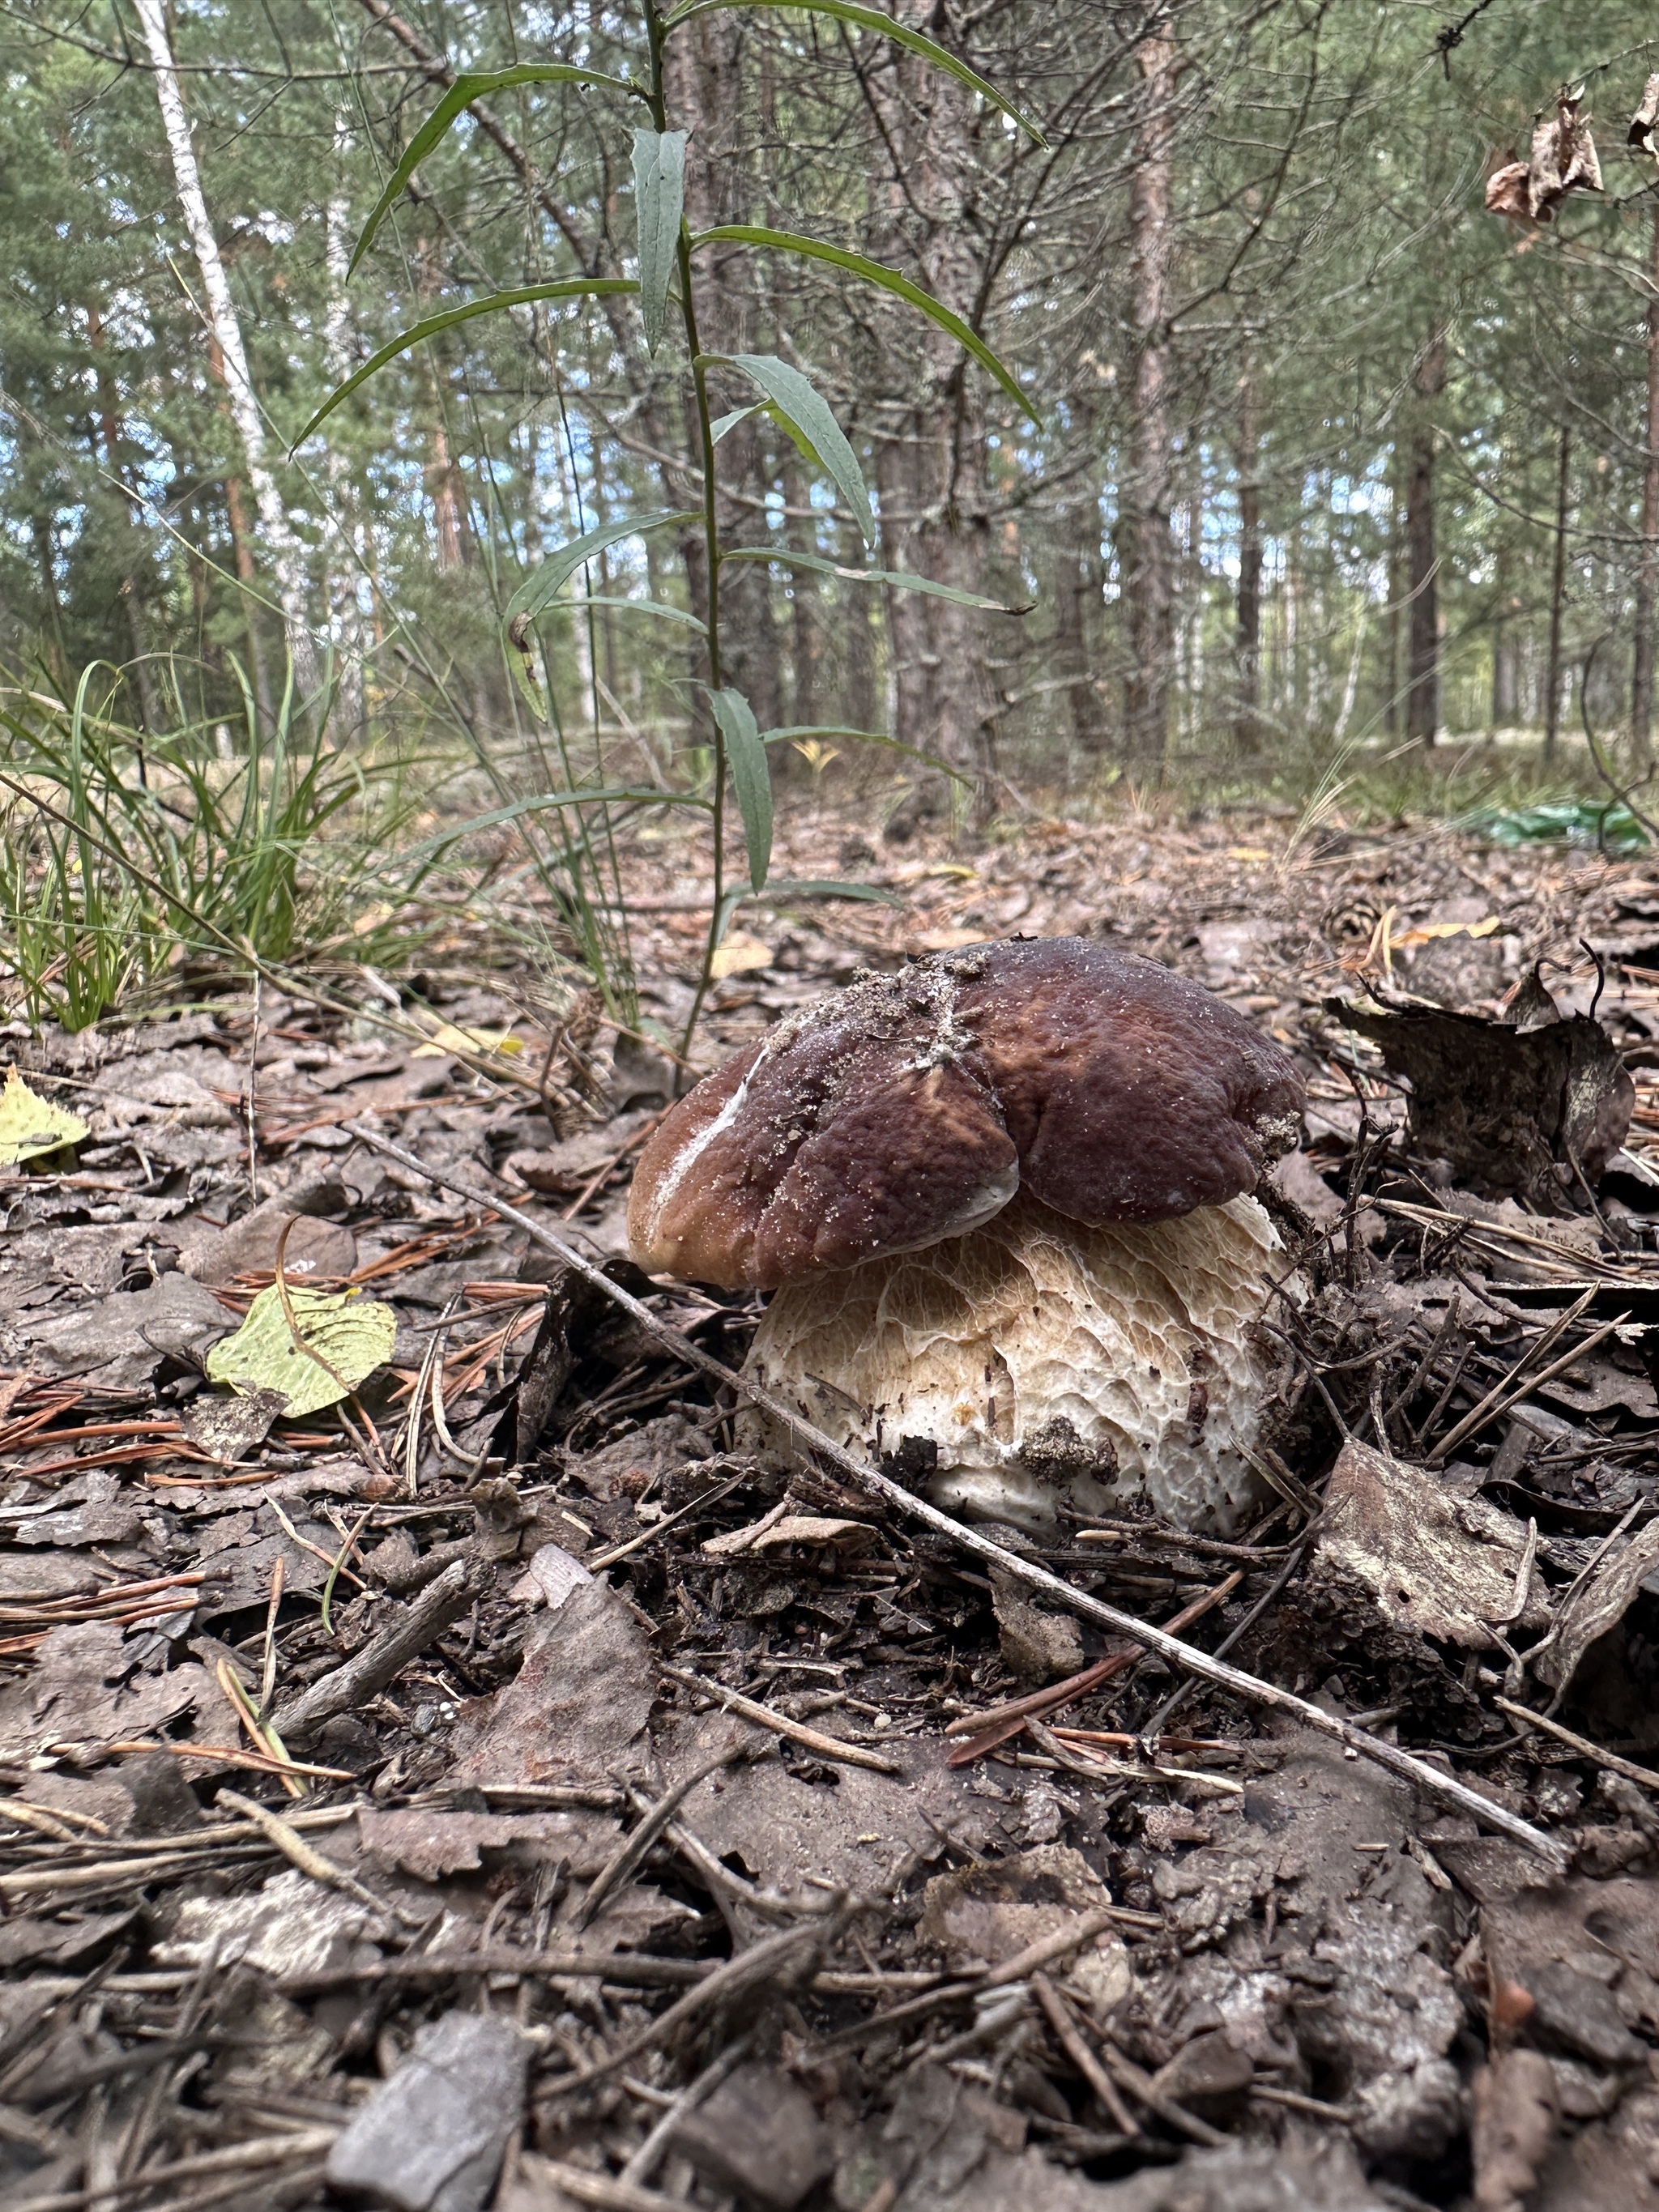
(1003, 1201)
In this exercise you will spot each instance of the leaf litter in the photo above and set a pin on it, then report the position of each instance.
(642, 1824)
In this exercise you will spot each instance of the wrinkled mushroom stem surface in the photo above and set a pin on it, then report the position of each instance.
(1002, 1198)
(1036, 1364)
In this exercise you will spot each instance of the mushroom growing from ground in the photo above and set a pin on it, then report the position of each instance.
(1002, 1198)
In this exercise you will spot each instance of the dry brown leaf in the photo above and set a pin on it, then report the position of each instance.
(1562, 160)
(1449, 1567)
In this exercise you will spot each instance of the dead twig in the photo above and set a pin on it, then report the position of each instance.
(1072, 2042)
(1611, 1759)
(831, 1747)
(388, 1652)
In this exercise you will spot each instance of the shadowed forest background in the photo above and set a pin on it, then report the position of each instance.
(1327, 459)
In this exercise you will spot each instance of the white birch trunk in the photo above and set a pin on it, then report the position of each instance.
(222, 316)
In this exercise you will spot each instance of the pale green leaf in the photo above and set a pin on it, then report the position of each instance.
(336, 1340)
(825, 887)
(888, 280)
(643, 607)
(805, 412)
(541, 585)
(897, 578)
(476, 84)
(493, 303)
(722, 423)
(658, 199)
(752, 778)
(595, 794)
(29, 1126)
(884, 26)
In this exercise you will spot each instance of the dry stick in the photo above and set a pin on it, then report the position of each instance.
(1535, 1351)
(233, 2158)
(831, 1748)
(610, 2192)
(1077, 2050)
(1487, 1413)
(313, 1864)
(1005, 1721)
(626, 1861)
(387, 1653)
(1139, 2084)
(1445, 1788)
(737, 1977)
(626, 1969)
(1610, 1759)
(1048, 1948)
(637, 2174)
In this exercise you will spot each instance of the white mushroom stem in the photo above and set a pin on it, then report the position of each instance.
(1046, 1363)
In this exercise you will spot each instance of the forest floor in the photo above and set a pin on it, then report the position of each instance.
(500, 1789)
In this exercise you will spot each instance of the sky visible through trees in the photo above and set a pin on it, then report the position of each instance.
(1326, 452)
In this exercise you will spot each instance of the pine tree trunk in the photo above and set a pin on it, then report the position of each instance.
(1077, 594)
(1558, 594)
(1647, 573)
(1247, 637)
(109, 440)
(1396, 593)
(931, 466)
(227, 330)
(1423, 667)
(1145, 550)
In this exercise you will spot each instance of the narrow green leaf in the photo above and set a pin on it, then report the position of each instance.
(659, 201)
(476, 84)
(644, 607)
(874, 272)
(722, 423)
(579, 795)
(804, 411)
(826, 887)
(898, 578)
(493, 303)
(752, 778)
(541, 586)
(884, 26)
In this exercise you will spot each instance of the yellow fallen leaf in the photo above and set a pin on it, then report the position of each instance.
(739, 955)
(947, 940)
(29, 1126)
(1425, 932)
(448, 1038)
(343, 1338)
(1248, 853)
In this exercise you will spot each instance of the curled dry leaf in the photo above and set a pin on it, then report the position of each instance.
(1641, 124)
(1562, 160)
(1596, 1605)
(1453, 1568)
(1512, 1108)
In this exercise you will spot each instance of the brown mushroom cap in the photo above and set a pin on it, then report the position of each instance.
(910, 1108)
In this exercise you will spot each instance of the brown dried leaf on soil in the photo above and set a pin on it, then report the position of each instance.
(1450, 1567)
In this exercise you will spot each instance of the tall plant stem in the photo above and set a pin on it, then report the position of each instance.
(711, 542)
